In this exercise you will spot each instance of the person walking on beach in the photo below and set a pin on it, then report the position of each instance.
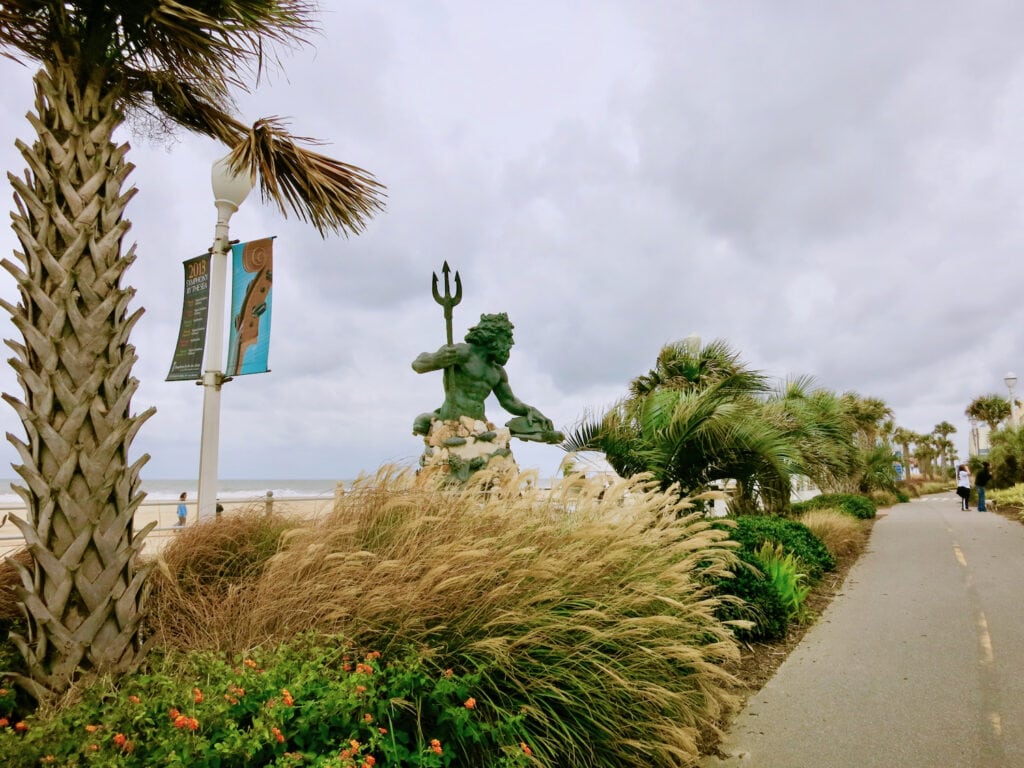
(182, 509)
(963, 485)
(984, 478)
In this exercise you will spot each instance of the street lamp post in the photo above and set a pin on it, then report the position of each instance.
(229, 191)
(1011, 381)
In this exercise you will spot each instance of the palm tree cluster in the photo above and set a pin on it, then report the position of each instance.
(701, 417)
(98, 63)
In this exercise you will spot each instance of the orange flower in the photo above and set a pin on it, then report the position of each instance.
(526, 750)
(20, 726)
(448, 673)
(197, 695)
(173, 713)
(4, 722)
(277, 734)
(436, 746)
(180, 721)
(354, 744)
(360, 689)
(369, 762)
(120, 739)
(364, 669)
(470, 703)
(250, 663)
(193, 724)
(373, 655)
(367, 718)
(48, 759)
(91, 728)
(134, 699)
(382, 731)
(94, 747)
(287, 697)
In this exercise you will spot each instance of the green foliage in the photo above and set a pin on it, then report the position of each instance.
(309, 702)
(782, 569)
(752, 531)
(852, 504)
(758, 601)
(1007, 457)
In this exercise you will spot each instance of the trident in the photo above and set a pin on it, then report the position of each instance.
(447, 301)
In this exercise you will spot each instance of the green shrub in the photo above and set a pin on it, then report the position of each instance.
(851, 503)
(752, 531)
(758, 601)
(309, 697)
(782, 570)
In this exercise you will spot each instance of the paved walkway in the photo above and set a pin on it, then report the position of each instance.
(918, 663)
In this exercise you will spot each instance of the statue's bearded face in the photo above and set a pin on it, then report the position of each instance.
(500, 349)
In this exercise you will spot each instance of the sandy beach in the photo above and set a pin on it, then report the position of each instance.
(165, 515)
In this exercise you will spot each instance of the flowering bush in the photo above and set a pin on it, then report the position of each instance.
(308, 703)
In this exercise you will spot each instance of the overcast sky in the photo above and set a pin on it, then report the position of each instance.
(833, 188)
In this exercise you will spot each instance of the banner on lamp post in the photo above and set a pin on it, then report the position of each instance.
(251, 300)
(187, 364)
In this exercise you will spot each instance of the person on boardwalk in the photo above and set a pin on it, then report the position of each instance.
(963, 485)
(984, 478)
(182, 509)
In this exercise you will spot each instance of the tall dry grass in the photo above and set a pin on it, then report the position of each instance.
(842, 534)
(584, 607)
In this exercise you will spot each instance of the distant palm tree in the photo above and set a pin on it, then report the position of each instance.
(903, 438)
(99, 62)
(869, 414)
(945, 446)
(991, 410)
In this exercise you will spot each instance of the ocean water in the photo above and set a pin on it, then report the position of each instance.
(227, 490)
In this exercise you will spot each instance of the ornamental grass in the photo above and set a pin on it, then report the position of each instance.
(585, 608)
(841, 533)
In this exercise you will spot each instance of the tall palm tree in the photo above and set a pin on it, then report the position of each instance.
(991, 410)
(98, 63)
(945, 446)
(903, 438)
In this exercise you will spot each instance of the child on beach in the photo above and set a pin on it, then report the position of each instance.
(182, 510)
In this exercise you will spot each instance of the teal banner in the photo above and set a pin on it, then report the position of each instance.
(251, 299)
(187, 364)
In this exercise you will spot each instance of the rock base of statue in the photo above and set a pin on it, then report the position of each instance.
(459, 449)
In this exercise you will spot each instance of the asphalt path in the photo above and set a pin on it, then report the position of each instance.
(917, 663)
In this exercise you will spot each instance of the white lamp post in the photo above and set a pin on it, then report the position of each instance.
(229, 191)
(1011, 381)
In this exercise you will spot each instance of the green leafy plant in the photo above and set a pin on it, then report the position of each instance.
(309, 702)
(751, 531)
(757, 610)
(782, 570)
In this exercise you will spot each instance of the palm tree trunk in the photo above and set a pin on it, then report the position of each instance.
(85, 593)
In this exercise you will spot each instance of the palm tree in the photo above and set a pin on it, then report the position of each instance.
(991, 410)
(98, 63)
(944, 445)
(819, 425)
(869, 414)
(693, 420)
(903, 438)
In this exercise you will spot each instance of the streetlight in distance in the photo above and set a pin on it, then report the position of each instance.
(229, 191)
(1011, 381)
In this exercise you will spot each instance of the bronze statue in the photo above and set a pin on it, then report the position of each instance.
(475, 369)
